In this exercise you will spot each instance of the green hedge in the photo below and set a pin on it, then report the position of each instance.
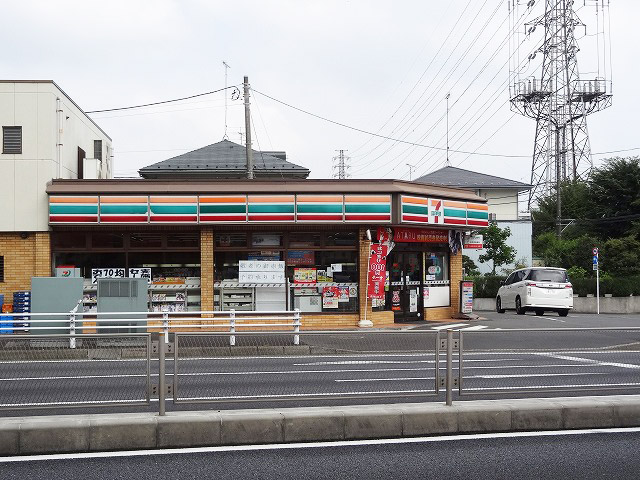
(487, 286)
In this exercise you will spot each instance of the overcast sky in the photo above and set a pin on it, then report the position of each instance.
(379, 66)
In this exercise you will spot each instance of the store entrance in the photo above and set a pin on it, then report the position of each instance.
(405, 278)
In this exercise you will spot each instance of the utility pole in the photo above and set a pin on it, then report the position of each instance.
(447, 164)
(559, 100)
(247, 128)
(226, 68)
(340, 165)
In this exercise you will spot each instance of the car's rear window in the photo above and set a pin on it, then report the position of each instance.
(558, 276)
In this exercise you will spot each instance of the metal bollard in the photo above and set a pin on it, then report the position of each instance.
(72, 328)
(161, 379)
(165, 326)
(296, 327)
(232, 327)
(449, 379)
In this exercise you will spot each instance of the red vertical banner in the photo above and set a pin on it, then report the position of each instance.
(377, 270)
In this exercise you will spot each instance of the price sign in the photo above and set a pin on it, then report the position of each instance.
(97, 273)
(140, 273)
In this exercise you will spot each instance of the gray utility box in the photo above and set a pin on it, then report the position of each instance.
(55, 295)
(122, 295)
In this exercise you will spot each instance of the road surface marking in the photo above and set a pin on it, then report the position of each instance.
(470, 377)
(447, 327)
(475, 327)
(298, 446)
(598, 362)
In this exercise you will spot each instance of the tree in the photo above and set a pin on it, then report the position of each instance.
(497, 250)
(614, 192)
(575, 205)
(470, 267)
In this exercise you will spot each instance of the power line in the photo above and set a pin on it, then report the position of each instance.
(384, 136)
(162, 102)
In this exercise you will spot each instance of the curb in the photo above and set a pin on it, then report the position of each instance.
(131, 431)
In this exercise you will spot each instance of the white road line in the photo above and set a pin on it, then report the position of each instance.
(539, 387)
(475, 327)
(298, 446)
(447, 327)
(590, 361)
(471, 377)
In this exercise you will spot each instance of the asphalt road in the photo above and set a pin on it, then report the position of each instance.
(611, 454)
(498, 362)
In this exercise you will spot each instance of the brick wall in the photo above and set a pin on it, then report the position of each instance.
(206, 268)
(23, 259)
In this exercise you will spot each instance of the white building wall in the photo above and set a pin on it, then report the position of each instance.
(24, 177)
(502, 202)
(520, 239)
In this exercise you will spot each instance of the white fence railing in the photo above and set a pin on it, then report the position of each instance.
(73, 323)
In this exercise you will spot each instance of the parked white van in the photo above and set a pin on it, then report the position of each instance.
(537, 288)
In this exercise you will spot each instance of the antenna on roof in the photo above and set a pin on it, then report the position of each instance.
(448, 164)
(226, 68)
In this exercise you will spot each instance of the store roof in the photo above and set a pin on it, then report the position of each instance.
(190, 186)
(224, 159)
(459, 177)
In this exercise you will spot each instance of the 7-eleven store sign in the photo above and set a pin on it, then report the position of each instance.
(436, 211)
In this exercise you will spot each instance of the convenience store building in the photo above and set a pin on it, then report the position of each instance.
(269, 245)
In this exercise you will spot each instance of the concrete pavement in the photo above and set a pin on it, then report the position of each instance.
(86, 433)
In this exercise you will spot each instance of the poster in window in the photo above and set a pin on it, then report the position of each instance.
(304, 275)
(301, 257)
(343, 295)
(97, 273)
(140, 273)
(330, 297)
(413, 300)
(395, 301)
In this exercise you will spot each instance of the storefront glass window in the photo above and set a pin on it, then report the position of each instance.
(225, 240)
(436, 265)
(266, 240)
(342, 239)
(146, 240)
(304, 239)
(69, 240)
(107, 240)
(183, 240)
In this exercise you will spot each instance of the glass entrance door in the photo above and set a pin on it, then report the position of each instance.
(405, 278)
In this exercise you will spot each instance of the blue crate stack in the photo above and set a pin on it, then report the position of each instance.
(22, 304)
(6, 323)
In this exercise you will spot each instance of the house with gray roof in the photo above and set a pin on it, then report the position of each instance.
(225, 160)
(502, 198)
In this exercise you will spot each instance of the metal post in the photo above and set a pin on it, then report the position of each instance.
(449, 380)
(161, 376)
(165, 326)
(247, 127)
(598, 289)
(296, 327)
(72, 328)
(232, 327)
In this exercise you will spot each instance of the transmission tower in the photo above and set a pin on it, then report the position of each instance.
(559, 100)
(340, 166)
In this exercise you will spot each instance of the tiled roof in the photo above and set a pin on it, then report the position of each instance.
(459, 177)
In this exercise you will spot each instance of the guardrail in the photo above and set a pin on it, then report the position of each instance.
(42, 371)
(558, 360)
(74, 323)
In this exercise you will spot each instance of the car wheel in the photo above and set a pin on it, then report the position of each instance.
(499, 308)
(539, 312)
(563, 313)
(519, 309)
